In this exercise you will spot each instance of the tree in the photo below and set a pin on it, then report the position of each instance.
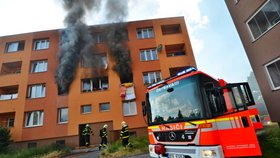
(5, 139)
(260, 104)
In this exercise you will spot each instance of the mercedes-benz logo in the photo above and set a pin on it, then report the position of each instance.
(172, 136)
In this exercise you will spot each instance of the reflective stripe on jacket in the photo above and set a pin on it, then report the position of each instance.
(124, 132)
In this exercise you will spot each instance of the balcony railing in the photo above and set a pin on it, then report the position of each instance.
(8, 96)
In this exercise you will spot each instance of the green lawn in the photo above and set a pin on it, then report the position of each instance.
(44, 152)
(270, 142)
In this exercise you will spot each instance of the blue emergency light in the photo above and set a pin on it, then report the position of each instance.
(187, 70)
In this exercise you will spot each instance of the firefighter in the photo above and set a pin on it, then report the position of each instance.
(86, 134)
(124, 134)
(103, 136)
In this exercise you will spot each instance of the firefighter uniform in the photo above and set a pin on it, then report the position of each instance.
(103, 136)
(86, 134)
(124, 134)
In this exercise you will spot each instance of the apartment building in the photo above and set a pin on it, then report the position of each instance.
(36, 114)
(257, 22)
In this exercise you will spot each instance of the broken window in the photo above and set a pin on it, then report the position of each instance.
(95, 84)
(14, 46)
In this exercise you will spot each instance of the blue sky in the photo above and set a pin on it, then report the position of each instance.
(216, 44)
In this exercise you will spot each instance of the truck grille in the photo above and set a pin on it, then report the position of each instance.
(176, 136)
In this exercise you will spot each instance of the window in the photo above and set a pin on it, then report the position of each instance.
(14, 46)
(41, 44)
(170, 29)
(99, 37)
(273, 71)
(235, 1)
(86, 109)
(94, 84)
(129, 108)
(145, 33)
(151, 77)
(34, 118)
(39, 66)
(63, 115)
(37, 91)
(104, 107)
(10, 122)
(175, 50)
(97, 61)
(265, 18)
(148, 54)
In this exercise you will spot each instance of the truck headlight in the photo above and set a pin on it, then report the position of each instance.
(209, 153)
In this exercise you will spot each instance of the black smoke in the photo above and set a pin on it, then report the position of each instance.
(76, 41)
(117, 35)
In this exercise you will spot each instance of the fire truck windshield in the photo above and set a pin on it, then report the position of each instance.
(175, 102)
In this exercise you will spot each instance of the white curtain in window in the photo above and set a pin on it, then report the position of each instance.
(38, 91)
(34, 118)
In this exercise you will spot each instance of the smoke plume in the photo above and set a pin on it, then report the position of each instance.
(76, 41)
(73, 40)
(116, 38)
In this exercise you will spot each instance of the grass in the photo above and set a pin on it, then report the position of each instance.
(51, 151)
(139, 146)
(270, 142)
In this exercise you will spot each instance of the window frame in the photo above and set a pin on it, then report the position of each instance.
(45, 66)
(154, 73)
(145, 31)
(105, 103)
(45, 42)
(128, 105)
(103, 84)
(271, 83)
(269, 27)
(10, 121)
(86, 105)
(60, 115)
(20, 46)
(40, 118)
(29, 94)
(152, 53)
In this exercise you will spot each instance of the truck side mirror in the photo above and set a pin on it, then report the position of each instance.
(144, 109)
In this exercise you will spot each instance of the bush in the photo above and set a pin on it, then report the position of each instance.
(5, 139)
(274, 136)
(138, 145)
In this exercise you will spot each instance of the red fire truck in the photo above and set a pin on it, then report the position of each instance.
(192, 115)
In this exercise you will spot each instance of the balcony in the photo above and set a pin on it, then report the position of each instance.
(9, 92)
(11, 68)
(175, 50)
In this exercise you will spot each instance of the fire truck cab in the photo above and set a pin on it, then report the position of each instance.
(192, 115)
